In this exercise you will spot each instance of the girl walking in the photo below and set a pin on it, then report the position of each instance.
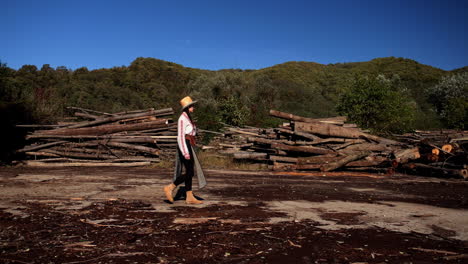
(186, 131)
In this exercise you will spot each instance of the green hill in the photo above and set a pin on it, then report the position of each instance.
(303, 88)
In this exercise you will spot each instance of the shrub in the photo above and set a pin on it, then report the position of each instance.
(379, 104)
(450, 100)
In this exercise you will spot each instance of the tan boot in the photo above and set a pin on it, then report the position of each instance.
(168, 191)
(191, 199)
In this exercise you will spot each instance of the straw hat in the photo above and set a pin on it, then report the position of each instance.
(187, 102)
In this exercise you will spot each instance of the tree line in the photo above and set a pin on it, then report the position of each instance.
(385, 94)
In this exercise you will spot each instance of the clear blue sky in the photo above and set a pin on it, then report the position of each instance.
(222, 34)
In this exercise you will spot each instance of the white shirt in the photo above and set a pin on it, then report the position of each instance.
(184, 127)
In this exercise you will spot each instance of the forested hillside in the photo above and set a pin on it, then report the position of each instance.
(232, 96)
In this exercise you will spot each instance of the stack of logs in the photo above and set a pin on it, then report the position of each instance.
(132, 138)
(442, 153)
(324, 145)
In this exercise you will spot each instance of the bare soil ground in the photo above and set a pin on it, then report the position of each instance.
(119, 215)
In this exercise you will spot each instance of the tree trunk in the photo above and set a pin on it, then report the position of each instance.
(337, 131)
(366, 147)
(120, 117)
(106, 129)
(86, 164)
(279, 166)
(41, 146)
(308, 166)
(291, 117)
(296, 133)
(134, 147)
(375, 161)
(427, 170)
(264, 141)
(88, 110)
(342, 162)
(283, 159)
(250, 155)
(318, 159)
(86, 115)
(404, 155)
(303, 149)
(332, 120)
(80, 155)
(127, 140)
(41, 154)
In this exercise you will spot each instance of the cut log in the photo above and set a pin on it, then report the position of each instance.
(318, 159)
(279, 166)
(41, 126)
(135, 147)
(250, 155)
(366, 147)
(427, 170)
(86, 115)
(41, 146)
(264, 141)
(337, 131)
(41, 154)
(129, 159)
(307, 135)
(291, 117)
(83, 148)
(244, 132)
(120, 117)
(349, 142)
(296, 133)
(337, 120)
(283, 159)
(436, 147)
(343, 161)
(308, 166)
(332, 120)
(88, 110)
(374, 161)
(405, 155)
(447, 148)
(104, 129)
(136, 111)
(137, 120)
(327, 130)
(127, 140)
(86, 164)
(235, 146)
(303, 149)
(163, 129)
(80, 155)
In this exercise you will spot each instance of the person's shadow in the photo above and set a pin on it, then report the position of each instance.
(180, 194)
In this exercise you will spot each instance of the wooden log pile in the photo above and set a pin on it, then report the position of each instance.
(329, 144)
(442, 153)
(132, 138)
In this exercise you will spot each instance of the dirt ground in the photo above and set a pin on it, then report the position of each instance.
(119, 215)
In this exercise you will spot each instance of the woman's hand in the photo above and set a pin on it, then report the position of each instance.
(187, 156)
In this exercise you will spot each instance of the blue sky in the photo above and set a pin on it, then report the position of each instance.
(231, 34)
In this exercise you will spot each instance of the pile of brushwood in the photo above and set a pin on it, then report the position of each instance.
(132, 138)
(330, 144)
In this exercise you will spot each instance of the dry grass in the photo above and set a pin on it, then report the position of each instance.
(213, 160)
